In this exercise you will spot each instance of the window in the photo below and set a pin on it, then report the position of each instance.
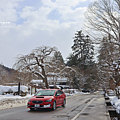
(60, 92)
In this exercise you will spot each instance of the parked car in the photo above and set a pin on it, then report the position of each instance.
(86, 91)
(47, 98)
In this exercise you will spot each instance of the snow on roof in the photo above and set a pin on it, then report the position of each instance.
(56, 78)
(36, 81)
(49, 79)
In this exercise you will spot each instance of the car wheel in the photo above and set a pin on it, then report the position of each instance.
(31, 109)
(64, 102)
(54, 105)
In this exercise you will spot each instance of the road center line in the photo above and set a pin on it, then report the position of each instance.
(80, 103)
(82, 110)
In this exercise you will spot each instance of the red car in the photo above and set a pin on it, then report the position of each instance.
(47, 98)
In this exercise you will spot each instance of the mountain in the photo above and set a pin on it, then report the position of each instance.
(6, 74)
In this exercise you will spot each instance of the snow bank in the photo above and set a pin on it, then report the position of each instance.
(10, 101)
(116, 103)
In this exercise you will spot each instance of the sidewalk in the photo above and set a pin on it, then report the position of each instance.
(95, 111)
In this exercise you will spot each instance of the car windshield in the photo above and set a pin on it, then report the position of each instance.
(46, 93)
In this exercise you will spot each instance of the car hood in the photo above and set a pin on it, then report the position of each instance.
(42, 97)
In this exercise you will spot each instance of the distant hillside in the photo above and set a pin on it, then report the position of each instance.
(6, 70)
(6, 74)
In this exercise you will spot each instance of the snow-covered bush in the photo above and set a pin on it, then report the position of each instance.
(24, 89)
(7, 89)
(13, 89)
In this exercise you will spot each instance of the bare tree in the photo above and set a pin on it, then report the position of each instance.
(36, 62)
(103, 17)
(59, 70)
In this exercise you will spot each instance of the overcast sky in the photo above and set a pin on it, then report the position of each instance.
(27, 24)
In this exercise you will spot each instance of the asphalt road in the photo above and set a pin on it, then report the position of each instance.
(75, 104)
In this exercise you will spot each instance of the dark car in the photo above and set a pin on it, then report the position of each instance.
(47, 98)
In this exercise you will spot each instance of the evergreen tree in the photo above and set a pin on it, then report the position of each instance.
(82, 58)
(83, 50)
(72, 60)
(58, 56)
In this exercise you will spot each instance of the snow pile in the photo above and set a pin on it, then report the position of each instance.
(12, 89)
(9, 101)
(116, 103)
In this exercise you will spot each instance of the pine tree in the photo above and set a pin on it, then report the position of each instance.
(58, 56)
(72, 60)
(83, 50)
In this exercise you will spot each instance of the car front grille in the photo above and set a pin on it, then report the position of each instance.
(37, 102)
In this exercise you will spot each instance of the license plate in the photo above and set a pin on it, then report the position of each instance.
(45, 106)
(37, 105)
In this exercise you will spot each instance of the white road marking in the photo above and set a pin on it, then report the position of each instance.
(82, 110)
(81, 102)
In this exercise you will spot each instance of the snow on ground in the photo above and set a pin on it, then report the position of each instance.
(115, 102)
(114, 99)
(9, 101)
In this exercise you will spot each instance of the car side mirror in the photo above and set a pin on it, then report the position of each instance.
(58, 94)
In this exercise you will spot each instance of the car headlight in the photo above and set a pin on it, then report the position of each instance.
(29, 100)
(48, 100)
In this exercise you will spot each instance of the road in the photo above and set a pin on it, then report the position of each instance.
(75, 105)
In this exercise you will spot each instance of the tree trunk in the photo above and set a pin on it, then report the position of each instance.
(46, 83)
